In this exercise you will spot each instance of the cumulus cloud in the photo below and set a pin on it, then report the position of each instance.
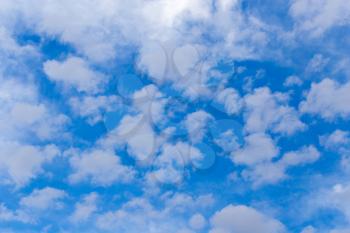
(93, 107)
(21, 163)
(318, 16)
(258, 148)
(23, 114)
(270, 172)
(169, 166)
(7, 215)
(328, 98)
(141, 215)
(337, 140)
(243, 219)
(196, 124)
(74, 72)
(84, 209)
(197, 222)
(231, 100)
(41, 199)
(100, 167)
(266, 111)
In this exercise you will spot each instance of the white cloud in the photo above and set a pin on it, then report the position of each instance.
(91, 31)
(84, 209)
(23, 115)
(197, 222)
(270, 111)
(7, 215)
(140, 215)
(169, 166)
(337, 140)
(93, 107)
(327, 98)
(151, 103)
(318, 16)
(196, 124)
(228, 141)
(239, 219)
(273, 172)
(231, 100)
(42, 199)
(317, 64)
(258, 148)
(101, 167)
(21, 163)
(137, 134)
(74, 72)
(293, 81)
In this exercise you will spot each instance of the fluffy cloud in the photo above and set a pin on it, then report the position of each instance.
(93, 107)
(21, 163)
(169, 166)
(266, 111)
(197, 222)
(327, 98)
(196, 124)
(258, 148)
(140, 215)
(230, 99)
(137, 134)
(84, 209)
(337, 140)
(23, 114)
(41, 199)
(270, 172)
(74, 72)
(293, 81)
(101, 167)
(7, 215)
(239, 219)
(318, 16)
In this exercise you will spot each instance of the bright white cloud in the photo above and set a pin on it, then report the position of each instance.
(21, 163)
(7, 215)
(337, 140)
(23, 115)
(318, 16)
(169, 166)
(231, 100)
(197, 222)
(140, 215)
(273, 172)
(74, 72)
(42, 199)
(243, 219)
(328, 98)
(84, 209)
(258, 148)
(101, 167)
(93, 107)
(266, 111)
(196, 124)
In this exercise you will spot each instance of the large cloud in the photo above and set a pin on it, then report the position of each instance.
(243, 219)
(329, 99)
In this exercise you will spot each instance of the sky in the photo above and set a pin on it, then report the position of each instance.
(187, 116)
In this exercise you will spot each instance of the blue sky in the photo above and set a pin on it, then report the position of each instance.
(188, 116)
